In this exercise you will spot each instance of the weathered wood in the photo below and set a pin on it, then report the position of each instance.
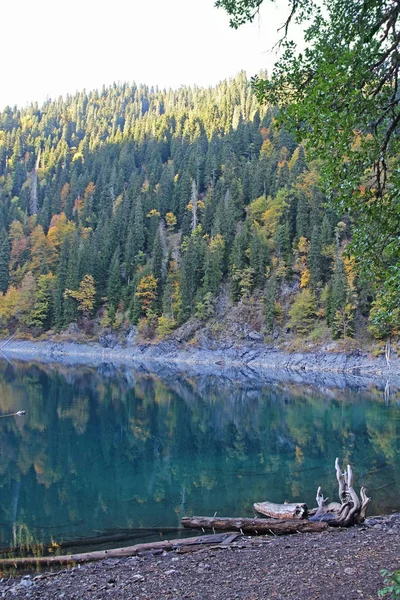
(114, 553)
(252, 526)
(282, 511)
(351, 510)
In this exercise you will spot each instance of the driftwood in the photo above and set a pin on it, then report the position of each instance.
(200, 541)
(281, 511)
(350, 510)
(252, 526)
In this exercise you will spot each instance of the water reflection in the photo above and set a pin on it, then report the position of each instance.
(103, 451)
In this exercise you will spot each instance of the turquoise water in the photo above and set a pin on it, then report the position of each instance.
(100, 453)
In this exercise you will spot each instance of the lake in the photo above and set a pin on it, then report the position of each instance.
(106, 451)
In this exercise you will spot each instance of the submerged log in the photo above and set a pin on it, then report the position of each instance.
(282, 511)
(122, 535)
(117, 552)
(252, 526)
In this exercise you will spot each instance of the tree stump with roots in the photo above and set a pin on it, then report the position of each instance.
(351, 509)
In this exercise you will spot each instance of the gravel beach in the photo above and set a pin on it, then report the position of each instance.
(336, 564)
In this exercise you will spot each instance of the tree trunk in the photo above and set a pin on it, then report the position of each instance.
(117, 552)
(351, 509)
(252, 526)
(281, 511)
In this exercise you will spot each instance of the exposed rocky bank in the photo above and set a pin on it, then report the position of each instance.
(252, 354)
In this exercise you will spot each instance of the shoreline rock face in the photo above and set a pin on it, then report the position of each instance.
(253, 360)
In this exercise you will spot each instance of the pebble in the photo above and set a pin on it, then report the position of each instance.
(25, 583)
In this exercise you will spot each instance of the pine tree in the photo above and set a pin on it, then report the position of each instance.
(114, 284)
(302, 219)
(213, 269)
(259, 256)
(4, 260)
(270, 299)
(315, 258)
(157, 267)
(71, 281)
(303, 312)
(60, 285)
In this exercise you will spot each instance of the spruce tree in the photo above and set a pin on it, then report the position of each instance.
(315, 258)
(114, 284)
(4, 260)
(157, 267)
(71, 281)
(60, 285)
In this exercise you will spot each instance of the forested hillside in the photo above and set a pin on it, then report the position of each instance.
(133, 205)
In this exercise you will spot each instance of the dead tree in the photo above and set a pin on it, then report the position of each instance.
(349, 511)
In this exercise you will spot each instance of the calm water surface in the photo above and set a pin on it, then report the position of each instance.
(102, 452)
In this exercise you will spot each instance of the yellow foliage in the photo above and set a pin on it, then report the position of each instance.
(305, 278)
(217, 242)
(85, 295)
(60, 228)
(8, 304)
(170, 219)
(146, 291)
(256, 209)
(43, 252)
(267, 148)
(307, 182)
(153, 213)
(303, 245)
(350, 268)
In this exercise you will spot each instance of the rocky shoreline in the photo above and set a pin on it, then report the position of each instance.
(336, 564)
(249, 361)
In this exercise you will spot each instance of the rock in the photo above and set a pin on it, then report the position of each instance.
(170, 572)
(72, 328)
(255, 336)
(138, 577)
(349, 571)
(131, 336)
(26, 583)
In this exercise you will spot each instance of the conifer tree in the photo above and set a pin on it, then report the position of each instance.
(4, 260)
(114, 284)
(315, 262)
(71, 281)
(157, 267)
(60, 285)
(270, 298)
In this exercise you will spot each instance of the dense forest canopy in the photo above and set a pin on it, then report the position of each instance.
(146, 206)
(340, 96)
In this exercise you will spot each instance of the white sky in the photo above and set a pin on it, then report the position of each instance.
(49, 47)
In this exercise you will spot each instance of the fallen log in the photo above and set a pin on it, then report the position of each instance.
(282, 511)
(115, 553)
(252, 526)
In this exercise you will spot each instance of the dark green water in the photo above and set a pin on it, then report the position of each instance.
(97, 453)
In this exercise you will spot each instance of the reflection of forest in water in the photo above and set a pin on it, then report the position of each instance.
(122, 449)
